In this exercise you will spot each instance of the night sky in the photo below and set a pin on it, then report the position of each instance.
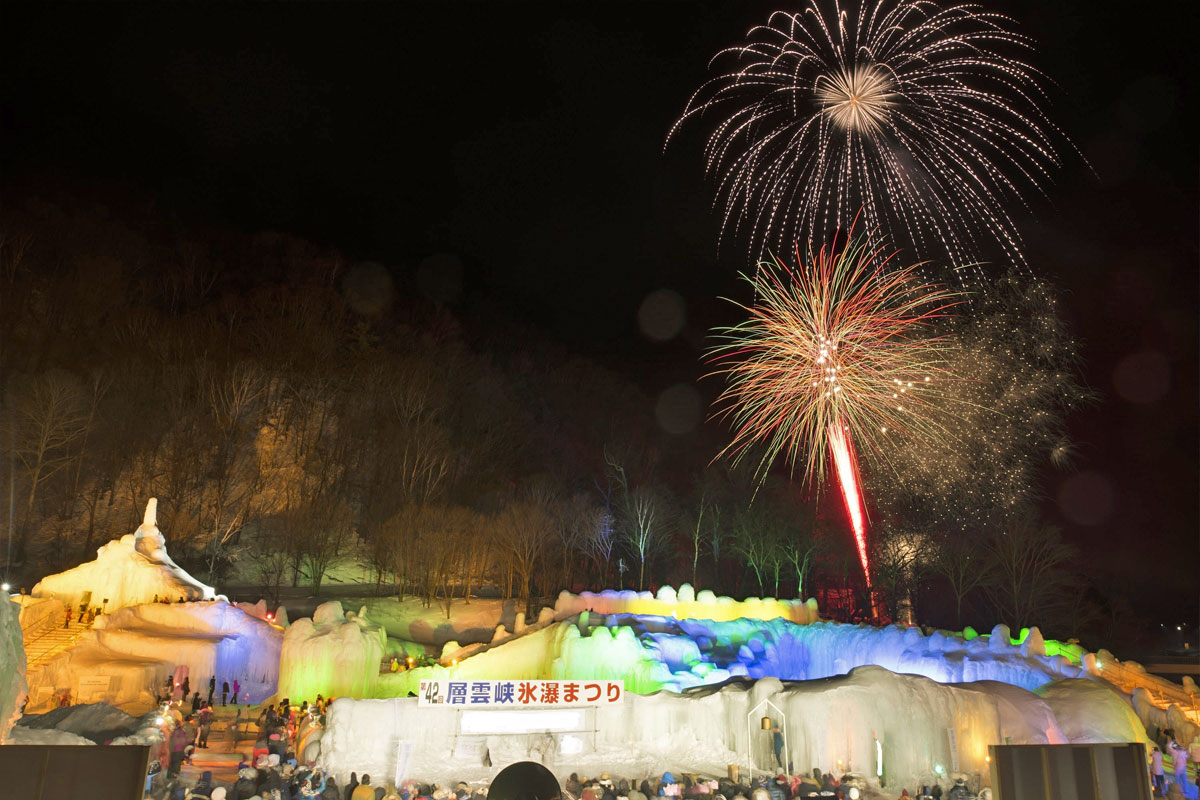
(526, 140)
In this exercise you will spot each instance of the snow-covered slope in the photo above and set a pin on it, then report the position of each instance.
(127, 571)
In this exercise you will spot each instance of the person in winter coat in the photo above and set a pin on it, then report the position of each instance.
(1179, 760)
(364, 791)
(1156, 773)
(246, 785)
(205, 726)
(203, 787)
(236, 689)
(224, 691)
(350, 787)
(178, 744)
(959, 790)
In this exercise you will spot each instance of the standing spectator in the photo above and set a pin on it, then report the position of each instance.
(1156, 773)
(178, 743)
(196, 702)
(205, 726)
(212, 688)
(364, 790)
(236, 689)
(224, 691)
(1179, 760)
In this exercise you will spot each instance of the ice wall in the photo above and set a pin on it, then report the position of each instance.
(704, 730)
(1093, 711)
(13, 687)
(127, 572)
(136, 647)
(697, 652)
(335, 653)
(686, 604)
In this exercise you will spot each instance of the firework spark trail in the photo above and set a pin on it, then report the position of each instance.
(841, 451)
(919, 115)
(835, 355)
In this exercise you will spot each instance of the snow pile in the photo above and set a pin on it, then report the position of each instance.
(1093, 711)
(23, 735)
(335, 653)
(127, 571)
(704, 730)
(12, 665)
(686, 604)
(131, 652)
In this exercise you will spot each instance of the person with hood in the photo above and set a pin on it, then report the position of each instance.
(364, 790)
(246, 785)
(1179, 760)
(959, 790)
(352, 785)
(203, 788)
(236, 689)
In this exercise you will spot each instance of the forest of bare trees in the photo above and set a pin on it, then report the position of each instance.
(287, 414)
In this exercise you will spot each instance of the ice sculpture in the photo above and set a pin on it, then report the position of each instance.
(12, 665)
(828, 722)
(335, 653)
(127, 571)
(138, 646)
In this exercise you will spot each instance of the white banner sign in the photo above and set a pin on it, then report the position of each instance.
(518, 694)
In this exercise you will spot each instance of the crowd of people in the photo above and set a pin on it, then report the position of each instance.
(274, 768)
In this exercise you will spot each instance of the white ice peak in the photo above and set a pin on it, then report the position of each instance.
(150, 518)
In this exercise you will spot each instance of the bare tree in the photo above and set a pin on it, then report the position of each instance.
(524, 528)
(48, 415)
(643, 528)
(898, 554)
(961, 560)
(1032, 579)
(751, 540)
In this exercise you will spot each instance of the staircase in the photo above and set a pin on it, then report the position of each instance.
(49, 642)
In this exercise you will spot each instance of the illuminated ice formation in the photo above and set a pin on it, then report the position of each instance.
(686, 604)
(697, 652)
(704, 730)
(653, 652)
(12, 665)
(127, 571)
(138, 646)
(335, 653)
(1092, 711)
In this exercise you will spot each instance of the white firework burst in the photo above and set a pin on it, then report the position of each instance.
(921, 117)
